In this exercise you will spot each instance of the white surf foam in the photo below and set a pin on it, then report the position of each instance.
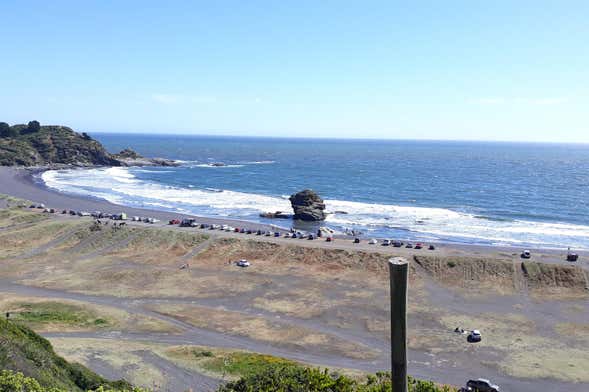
(120, 186)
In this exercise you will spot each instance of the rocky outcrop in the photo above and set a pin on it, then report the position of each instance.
(55, 146)
(50, 145)
(128, 157)
(307, 206)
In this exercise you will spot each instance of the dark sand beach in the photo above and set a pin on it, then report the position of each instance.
(19, 182)
(288, 304)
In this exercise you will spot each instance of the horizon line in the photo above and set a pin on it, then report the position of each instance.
(143, 133)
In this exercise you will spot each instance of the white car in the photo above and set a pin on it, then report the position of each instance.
(386, 242)
(136, 219)
(243, 263)
(372, 242)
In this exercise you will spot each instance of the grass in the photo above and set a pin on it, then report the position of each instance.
(243, 363)
(24, 351)
(220, 363)
(42, 313)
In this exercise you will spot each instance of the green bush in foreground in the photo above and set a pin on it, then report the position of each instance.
(300, 379)
(17, 382)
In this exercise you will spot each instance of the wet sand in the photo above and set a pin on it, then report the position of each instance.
(19, 182)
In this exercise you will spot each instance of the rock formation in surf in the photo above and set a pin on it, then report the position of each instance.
(307, 206)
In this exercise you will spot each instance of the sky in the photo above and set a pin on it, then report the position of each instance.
(457, 70)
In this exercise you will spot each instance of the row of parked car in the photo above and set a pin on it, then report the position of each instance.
(399, 244)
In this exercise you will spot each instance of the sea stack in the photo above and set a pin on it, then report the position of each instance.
(307, 206)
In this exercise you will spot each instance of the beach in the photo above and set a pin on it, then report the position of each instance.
(164, 291)
(19, 182)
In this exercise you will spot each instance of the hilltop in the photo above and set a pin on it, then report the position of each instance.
(54, 145)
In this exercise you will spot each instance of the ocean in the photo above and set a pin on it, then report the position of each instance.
(455, 192)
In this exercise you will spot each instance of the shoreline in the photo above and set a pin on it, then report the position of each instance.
(19, 182)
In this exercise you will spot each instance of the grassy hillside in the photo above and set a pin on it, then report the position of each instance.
(28, 146)
(22, 350)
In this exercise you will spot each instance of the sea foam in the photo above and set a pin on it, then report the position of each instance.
(120, 186)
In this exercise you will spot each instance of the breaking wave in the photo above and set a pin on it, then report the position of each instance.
(120, 186)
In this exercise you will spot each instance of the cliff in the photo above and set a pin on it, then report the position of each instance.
(54, 145)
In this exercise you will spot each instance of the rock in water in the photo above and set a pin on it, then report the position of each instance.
(307, 206)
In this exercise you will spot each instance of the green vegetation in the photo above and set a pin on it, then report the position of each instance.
(244, 364)
(17, 382)
(38, 314)
(34, 144)
(22, 350)
(301, 379)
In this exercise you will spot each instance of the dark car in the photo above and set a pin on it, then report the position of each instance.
(276, 234)
(397, 244)
(482, 385)
(356, 240)
(418, 246)
(474, 336)
(310, 237)
(328, 239)
(409, 246)
(431, 247)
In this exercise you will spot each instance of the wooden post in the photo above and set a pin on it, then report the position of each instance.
(398, 268)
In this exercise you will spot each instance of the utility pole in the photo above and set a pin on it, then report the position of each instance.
(398, 267)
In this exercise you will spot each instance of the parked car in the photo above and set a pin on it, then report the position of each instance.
(311, 237)
(526, 254)
(418, 246)
(397, 244)
(373, 241)
(188, 222)
(482, 385)
(356, 240)
(174, 222)
(474, 336)
(83, 213)
(409, 245)
(431, 247)
(243, 263)
(276, 234)
(386, 242)
(329, 239)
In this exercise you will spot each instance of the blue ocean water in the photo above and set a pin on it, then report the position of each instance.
(465, 192)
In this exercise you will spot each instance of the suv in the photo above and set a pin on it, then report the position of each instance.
(482, 385)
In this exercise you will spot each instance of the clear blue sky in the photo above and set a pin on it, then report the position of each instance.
(488, 70)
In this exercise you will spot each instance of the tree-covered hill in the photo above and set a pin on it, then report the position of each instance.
(33, 144)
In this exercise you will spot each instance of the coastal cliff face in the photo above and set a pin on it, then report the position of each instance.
(47, 145)
(53, 145)
(307, 206)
